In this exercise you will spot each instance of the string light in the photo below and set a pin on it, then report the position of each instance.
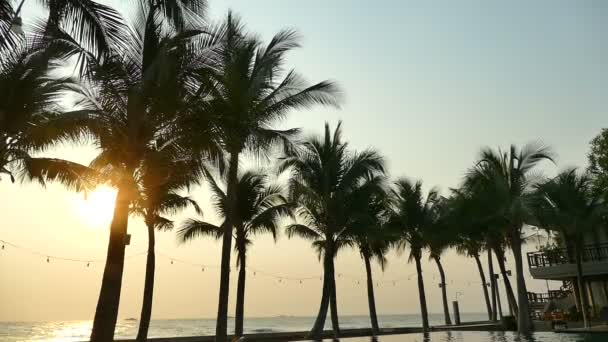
(279, 277)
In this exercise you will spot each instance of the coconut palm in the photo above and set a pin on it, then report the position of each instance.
(250, 93)
(163, 176)
(28, 98)
(470, 240)
(569, 205)
(326, 182)
(8, 39)
(368, 233)
(507, 178)
(413, 216)
(130, 104)
(438, 239)
(261, 206)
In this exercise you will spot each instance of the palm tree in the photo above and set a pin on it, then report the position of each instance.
(28, 97)
(130, 104)
(260, 208)
(91, 23)
(470, 239)
(249, 92)
(507, 178)
(326, 182)
(368, 233)
(438, 239)
(413, 216)
(568, 204)
(164, 175)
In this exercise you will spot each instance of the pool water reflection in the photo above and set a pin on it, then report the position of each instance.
(478, 336)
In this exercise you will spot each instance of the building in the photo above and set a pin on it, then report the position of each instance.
(559, 263)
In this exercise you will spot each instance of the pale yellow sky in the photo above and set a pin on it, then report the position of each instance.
(49, 222)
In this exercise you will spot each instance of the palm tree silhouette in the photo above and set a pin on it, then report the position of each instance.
(260, 208)
(413, 216)
(249, 93)
(569, 204)
(131, 104)
(463, 217)
(369, 235)
(438, 239)
(326, 182)
(28, 97)
(163, 175)
(506, 179)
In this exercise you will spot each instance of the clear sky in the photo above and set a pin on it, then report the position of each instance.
(427, 83)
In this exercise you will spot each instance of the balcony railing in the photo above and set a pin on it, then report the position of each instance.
(547, 297)
(560, 256)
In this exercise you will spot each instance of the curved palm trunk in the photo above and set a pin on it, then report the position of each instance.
(319, 324)
(581, 286)
(333, 301)
(500, 256)
(106, 312)
(444, 291)
(371, 300)
(240, 292)
(146, 307)
(492, 285)
(483, 286)
(422, 296)
(221, 333)
(524, 321)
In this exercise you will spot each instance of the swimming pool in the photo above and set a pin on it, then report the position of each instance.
(479, 336)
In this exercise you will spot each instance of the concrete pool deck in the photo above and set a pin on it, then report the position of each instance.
(345, 333)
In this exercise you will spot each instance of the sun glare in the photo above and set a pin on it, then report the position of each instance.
(97, 208)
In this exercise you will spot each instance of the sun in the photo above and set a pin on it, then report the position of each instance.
(97, 208)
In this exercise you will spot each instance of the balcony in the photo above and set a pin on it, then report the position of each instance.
(560, 264)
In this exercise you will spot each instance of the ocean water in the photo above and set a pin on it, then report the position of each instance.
(127, 328)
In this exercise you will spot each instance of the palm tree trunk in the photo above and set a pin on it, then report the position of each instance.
(146, 307)
(221, 333)
(333, 302)
(109, 295)
(444, 291)
(483, 286)
(500, 256)
(492, 285)
(371, 300)
(524, 321)
(319, 324)
(581, 286)
(422, 295)
(240, 291)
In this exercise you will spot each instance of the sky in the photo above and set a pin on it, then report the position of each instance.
(426, 83)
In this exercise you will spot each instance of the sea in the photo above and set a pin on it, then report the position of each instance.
(127, 328)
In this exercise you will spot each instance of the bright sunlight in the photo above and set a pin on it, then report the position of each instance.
(97, 208)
